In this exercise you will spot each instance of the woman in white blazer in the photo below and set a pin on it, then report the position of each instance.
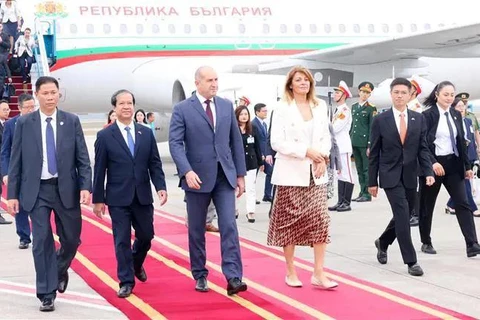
(300, 135)
(24, 50)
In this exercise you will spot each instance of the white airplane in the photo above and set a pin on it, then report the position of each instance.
(153, 47)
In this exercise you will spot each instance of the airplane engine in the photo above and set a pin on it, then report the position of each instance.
(381, 95)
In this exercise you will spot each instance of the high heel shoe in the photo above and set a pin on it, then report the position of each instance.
(294, 283)
(449, 210)
(323, 285)
(251, 220)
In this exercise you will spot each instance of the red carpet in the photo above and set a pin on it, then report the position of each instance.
(169, 290)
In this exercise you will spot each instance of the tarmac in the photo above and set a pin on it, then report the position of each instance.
(451, 279)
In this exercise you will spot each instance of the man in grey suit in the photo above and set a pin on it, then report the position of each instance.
(50, 170)
(207, 148)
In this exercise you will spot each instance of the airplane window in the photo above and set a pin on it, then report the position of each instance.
(90, 28)
(171, 28)
(427, 26)
(399, 28)
(187, 28)
(73, 28)
(107, 28)
(203, 28)
(385, 28)
(413, 27)
(123, 28)
(298, 28)
(327, 28)
(283, 28)
(356, 28)
(313, 28)
(266, 28)
(342, 28)
(371, 28)
(57, 27)
(139, 28)
(218, 28)
(155, 28)
(241, 28)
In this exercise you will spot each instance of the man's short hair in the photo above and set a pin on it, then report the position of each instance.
(44, 80)
(24, 97)
(113, 100)
(259, 107)
(149, 114)
(400, 82)
(4, 101)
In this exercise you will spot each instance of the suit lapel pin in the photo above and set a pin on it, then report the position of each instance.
(139, 132)
(61, 123)
(413, 119)
(455, 118)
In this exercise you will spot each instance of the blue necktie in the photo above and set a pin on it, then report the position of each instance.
(51, 154)
(265, 127)
(131, 144)
(452, 138)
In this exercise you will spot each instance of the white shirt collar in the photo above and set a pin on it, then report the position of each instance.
(44, 117)
(397, 113)
(202, 98)
(442, 111)
(122, 127)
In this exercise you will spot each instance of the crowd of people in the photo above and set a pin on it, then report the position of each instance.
(218, 151)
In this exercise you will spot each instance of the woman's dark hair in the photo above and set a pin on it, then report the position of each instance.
(144, 116)
(248, 125)
(455, 102)
(431, 100)
(109, 114)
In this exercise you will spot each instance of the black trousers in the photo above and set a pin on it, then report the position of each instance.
(51, 266)
(455, 185)
(401, 199)
(128, 258)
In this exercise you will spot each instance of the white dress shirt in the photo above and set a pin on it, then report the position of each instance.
(396, 115)
(443, 144)
(43, 120)
(212, 107)
(11, 13)
(122, 127)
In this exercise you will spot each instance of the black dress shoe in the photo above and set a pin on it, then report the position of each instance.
(23, 245)
(235, 285)
(359, 196)
(428, 248)
(257, 202)
(413, 221)
(415, 270)
(47, 305)
(201, 285)
(334, 207)
(473, 250)
(63, 283)
(364, 199)
(3, 221)
(125, 291)
(141, 274)
(265, 199)
(382, 255)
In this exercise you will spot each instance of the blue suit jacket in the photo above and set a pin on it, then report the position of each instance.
(194, 145)
(9, 129)
(127, 175)
(26, 160)
(262, 135)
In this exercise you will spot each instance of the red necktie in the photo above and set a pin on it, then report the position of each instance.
(209, 111)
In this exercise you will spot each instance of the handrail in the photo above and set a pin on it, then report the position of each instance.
(43, 67)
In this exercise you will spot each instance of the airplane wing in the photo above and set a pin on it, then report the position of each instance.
(454, 42)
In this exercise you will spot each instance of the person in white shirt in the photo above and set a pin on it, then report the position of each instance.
(24, 50)
(11, 20)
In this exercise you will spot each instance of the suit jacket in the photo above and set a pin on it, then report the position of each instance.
(194, 145)
(292, 167)
(127, 175)
(432, 117)
(9, 129)
(73, 163)
(471, 144)
(253, 154)
(392, 161)
(269, 151)
(262, 135)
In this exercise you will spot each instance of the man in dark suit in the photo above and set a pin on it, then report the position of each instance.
(50, 170)
(260, 127)
(26, 105)
(127, 153)
(207, 148)
(398, 144)
(4, 112)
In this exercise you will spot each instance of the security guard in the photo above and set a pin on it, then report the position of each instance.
(414, 104)
(468, 114)
(342, 122)
(362, 113)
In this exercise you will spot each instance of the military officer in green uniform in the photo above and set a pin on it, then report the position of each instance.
(362, 115)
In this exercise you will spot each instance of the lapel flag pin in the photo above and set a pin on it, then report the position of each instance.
(61, 123)
(139, 132)
(413, 119)
(455, 118)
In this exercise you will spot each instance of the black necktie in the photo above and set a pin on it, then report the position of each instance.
(452, 138)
